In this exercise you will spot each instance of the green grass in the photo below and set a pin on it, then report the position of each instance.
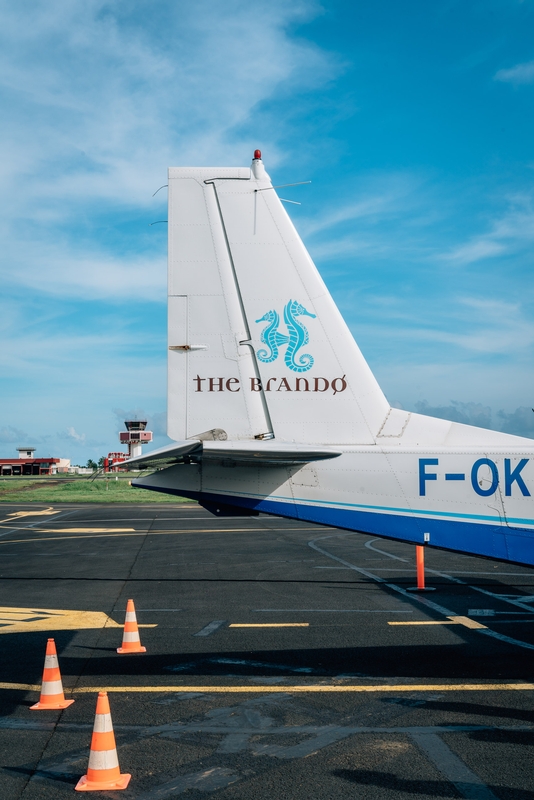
(79, 490)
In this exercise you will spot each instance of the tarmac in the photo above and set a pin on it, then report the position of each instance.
(284, 660)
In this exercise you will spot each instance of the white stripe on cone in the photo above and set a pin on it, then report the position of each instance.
(51, 662)
(130, 616)
(52, 687)
(103, 723)
(103, 759)
(130, 636)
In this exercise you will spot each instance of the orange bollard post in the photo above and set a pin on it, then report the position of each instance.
(52, 696)
(103, 772)
(131, 642)
(420, 562)
(420, 567)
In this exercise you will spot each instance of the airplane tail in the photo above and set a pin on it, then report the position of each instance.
(257, 346)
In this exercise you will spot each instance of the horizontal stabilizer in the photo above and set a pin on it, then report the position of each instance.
(165, 456)
(270, 453)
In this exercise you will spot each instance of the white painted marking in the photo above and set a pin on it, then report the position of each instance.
(472, 573)
(418, 599)
(209, 780)
(507, 639)
(503, 598)
(490, 612)
(466, 782)
(475, 572)
(211, 627)
(370, 546)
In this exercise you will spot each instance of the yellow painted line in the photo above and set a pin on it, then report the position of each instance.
(21, 687)
(87, 530)
(43, 513)
(61, 538)
(134, 533)
(465, 621)
(269, 625)
(469, 623)
(25, 620)
(425, 622)
(312, 688)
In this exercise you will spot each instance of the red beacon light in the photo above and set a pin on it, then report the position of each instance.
(257, 154)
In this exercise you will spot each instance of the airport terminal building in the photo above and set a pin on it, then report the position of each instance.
(28, 464)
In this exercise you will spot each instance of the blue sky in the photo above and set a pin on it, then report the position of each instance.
(414, 121)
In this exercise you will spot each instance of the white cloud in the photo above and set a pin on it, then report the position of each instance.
(476, 250)
(62, 271)
(519, 422)
(10, 434)
(120, 98)
(457, 329)
(71, 434)
(521, 73)
(387, 216)
(488, 326)
(379, 197)
(376, 205)
(508, 233)
(501, 385)
(103, 96)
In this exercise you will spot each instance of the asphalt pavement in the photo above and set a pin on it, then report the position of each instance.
(284, 660)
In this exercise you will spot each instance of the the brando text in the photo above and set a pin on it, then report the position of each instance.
(335, 385)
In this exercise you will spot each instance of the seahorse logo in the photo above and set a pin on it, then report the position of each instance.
(297, 338)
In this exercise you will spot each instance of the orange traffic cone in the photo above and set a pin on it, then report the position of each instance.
(51, 688)
(131, 642)
(103, 771)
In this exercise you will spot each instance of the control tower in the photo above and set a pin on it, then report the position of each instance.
(135, 436)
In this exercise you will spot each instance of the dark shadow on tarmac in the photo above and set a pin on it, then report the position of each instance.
(22, 658)
(474, 709)
(62, 777)
(431, 788)
(453, 662)
(386, 780)
(524, 738)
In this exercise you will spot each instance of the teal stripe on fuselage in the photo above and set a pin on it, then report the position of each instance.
(495, 519)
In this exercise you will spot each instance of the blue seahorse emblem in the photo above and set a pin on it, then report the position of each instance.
(297, 338)
(271, 337)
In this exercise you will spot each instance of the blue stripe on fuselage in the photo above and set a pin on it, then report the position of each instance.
(464, 535)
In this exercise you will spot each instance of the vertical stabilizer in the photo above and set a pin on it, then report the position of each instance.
(257, 345)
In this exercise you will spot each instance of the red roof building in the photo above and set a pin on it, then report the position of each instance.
(27, 464)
